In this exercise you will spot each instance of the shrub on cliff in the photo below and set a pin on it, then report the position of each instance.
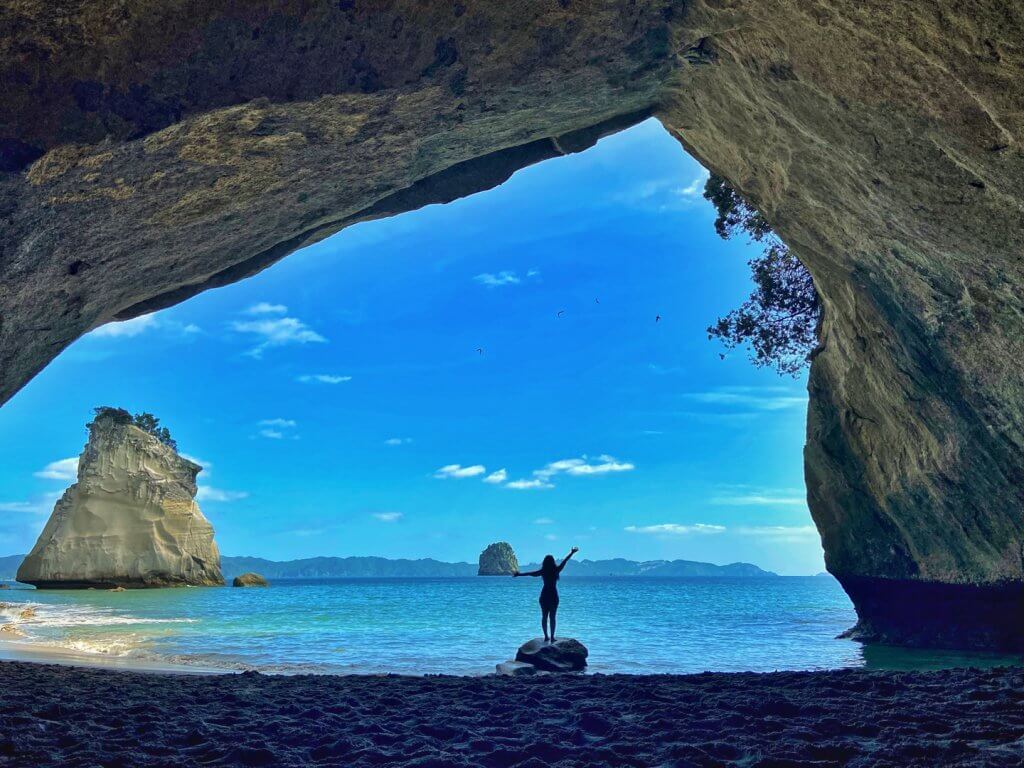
(779, 321)
(145, 421)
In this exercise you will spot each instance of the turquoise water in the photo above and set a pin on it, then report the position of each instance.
(466, 626)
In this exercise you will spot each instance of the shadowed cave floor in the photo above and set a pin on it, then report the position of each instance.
(53, 715)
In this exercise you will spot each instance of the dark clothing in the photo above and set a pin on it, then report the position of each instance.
(549, 598)
(549, 593)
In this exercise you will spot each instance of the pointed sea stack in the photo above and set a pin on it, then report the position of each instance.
(499, 559)
(130, 521)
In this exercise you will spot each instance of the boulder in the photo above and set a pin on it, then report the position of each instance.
(130, 521)
(564, 655)
(499, 559)
(513, 668)
(249, 580)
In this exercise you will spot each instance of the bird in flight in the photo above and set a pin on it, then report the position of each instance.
(657, 318)
(560, 313)
(480, 350)
(597, 301)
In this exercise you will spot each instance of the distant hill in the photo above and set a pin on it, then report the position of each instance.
(382, 567)
(655, 568)
(343, 567)
(9, 566)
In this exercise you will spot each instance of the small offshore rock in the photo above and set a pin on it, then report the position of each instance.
(249, 580)
(564, 655)
(118, 589)
(499, 559)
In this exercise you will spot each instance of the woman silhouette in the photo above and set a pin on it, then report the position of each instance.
(549, 593)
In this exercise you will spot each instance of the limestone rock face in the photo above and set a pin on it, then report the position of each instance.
(882, 140)
(564, 655)
(130, 520)
(498, 559)
(249, 580)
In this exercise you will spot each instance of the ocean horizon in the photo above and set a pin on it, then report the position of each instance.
(464, 625)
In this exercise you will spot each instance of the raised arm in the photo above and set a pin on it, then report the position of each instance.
(572, 552)
(528, 573)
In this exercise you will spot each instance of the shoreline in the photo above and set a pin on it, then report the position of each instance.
(29, 652)
(61, 715)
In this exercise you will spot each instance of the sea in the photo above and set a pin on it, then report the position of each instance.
(464, 626)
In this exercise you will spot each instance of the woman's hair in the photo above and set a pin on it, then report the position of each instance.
(548, 566)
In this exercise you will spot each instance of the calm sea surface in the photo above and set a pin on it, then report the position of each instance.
(465, 626)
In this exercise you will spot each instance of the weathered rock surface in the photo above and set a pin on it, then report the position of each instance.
(249, 580)
(130, 520)
(508, 668)
(563, 655)
(499, 559)
(882, 140)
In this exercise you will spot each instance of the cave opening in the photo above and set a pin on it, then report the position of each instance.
(530, 363)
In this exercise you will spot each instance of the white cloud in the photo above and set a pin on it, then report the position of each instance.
(126, 328)
(760, 399)
(676, 529)
(761, 499)
(496, 478)
(277, 429)
(505, 277)
(191, 328)
(696, 187)
(18, 506)
(528, 485)
(275, 331)
(459, 471)
(324, 378)
(388, 517)
(398, 441)
(550, 537)
(783, 533)
(209, 493)
(543, 521)
(63, 469)
(42, 506)
(583, 467)
(265, 308)
(278, 423)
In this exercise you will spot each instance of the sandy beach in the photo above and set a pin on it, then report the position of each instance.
(59, 715)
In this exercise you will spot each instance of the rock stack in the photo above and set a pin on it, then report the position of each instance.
(499, 559)
(130, 521)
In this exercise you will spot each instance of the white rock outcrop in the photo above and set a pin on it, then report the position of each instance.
(131, 520)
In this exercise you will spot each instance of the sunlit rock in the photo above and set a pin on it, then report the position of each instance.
(249, 580)
(499, 559)
(131, 520)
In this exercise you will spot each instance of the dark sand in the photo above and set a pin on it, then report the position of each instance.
(52, 715)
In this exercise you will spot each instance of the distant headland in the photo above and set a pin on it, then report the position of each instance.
(383, 567)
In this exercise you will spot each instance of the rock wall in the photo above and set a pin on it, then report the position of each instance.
(157, 149)
(498, 559)
(129, 521)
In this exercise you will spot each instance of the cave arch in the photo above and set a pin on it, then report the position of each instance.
(881, 141)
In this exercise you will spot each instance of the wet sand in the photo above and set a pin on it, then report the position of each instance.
(58, 715)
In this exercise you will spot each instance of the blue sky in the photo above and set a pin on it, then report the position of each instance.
(340, 404)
